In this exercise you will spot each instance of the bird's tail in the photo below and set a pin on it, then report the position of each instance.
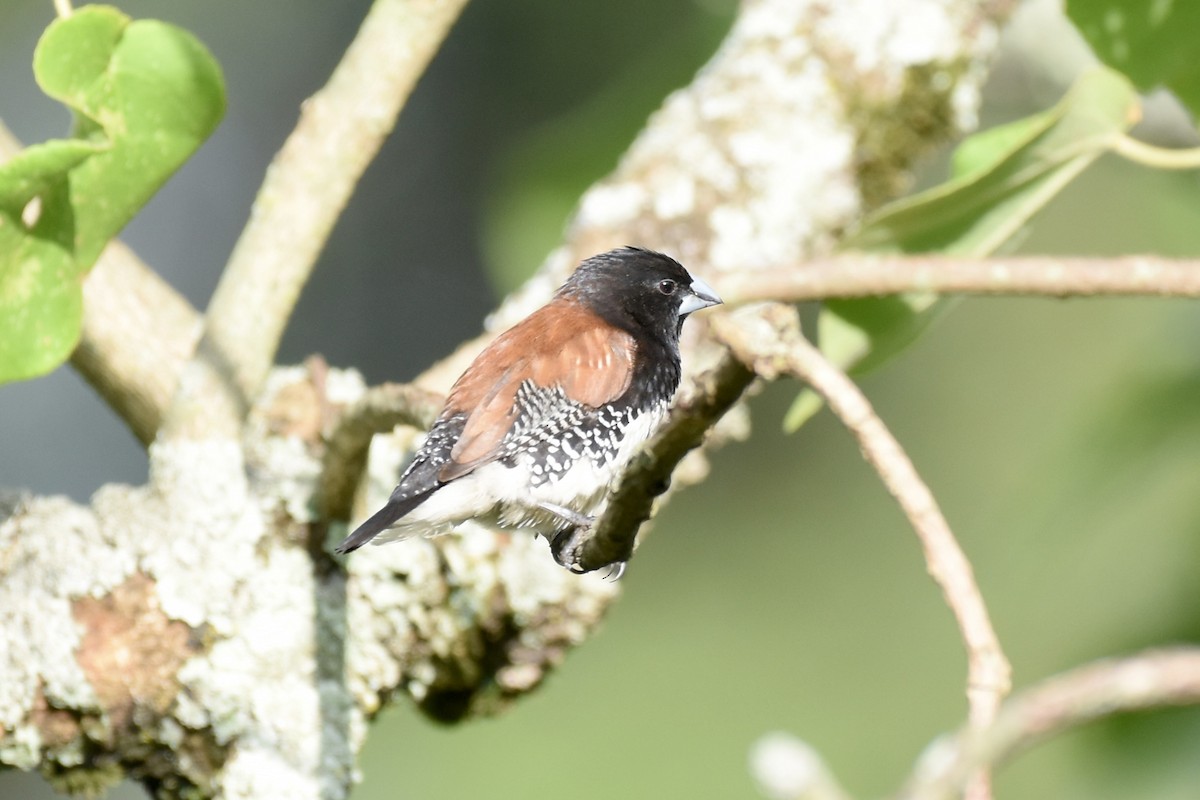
(380, 521)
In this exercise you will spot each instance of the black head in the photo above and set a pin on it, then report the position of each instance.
(643, 292)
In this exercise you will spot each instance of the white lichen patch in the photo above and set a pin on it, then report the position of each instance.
(880, 38)
(282, 460)
(205, 498)
(258, 769)
(259, 689)
(22, 747)
(754, 164)
(534, 581)
(882, 43)
(750, 150)
(677, 199)
(344, 386)
(414, 609)
(53, 553)
(200, 532)
(392, 596)
(613, 205)
(284, 463)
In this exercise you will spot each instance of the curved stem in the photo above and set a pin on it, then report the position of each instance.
(1157, 157)
(768, 340)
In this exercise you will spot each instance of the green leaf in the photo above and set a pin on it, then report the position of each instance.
(148, 88)
(860, 335)
(981, 151)
(1001, 178)
(1152, 41)
(41, 305)
(803, 408)
(39, 169)
(1005, 175)
(145, 95)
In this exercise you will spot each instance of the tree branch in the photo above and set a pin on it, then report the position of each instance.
(1150, 680)
(769, 341)
(341, 128)
(867, 276)
(380, 409)
(138, 333)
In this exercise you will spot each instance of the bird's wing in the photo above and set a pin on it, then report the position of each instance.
(589, 359)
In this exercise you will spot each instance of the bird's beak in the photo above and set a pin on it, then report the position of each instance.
(702, 296)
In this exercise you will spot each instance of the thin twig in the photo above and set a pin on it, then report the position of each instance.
(340, 130)
(611, 540)
(1152, 679)
(869, 276)
(768, 339)
(380, 409)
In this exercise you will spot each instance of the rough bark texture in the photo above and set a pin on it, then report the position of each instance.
(135, 315)
(194, 633)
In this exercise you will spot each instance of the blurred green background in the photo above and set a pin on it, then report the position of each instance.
(787, 593)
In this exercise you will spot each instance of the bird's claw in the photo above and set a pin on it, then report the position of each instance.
(566, 546)
(615, 571)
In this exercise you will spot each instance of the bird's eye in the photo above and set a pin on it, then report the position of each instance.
(667, 287)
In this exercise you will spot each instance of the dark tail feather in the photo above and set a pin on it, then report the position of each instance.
(380, 521)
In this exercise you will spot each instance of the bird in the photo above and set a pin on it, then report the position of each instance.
(537, 430)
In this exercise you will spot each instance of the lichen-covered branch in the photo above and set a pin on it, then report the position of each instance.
(379, 410)
(340, 130)
(1148, 680)
(191, 642)
(856, 275)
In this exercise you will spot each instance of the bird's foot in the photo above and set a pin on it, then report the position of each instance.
(567, 548)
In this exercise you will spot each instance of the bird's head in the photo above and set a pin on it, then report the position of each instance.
(640, 291)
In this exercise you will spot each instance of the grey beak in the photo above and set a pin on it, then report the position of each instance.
(702, 296)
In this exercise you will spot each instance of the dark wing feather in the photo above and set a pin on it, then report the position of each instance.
(562, 344)
(382, 519)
